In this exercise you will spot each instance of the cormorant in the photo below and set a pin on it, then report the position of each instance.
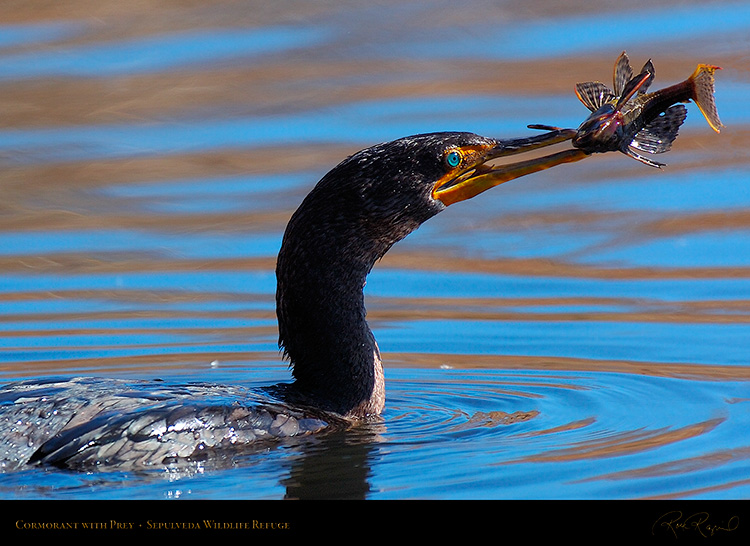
(349, 220)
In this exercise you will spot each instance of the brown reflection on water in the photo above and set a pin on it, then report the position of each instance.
(682, 466)
(623, 443)
(574, 425)
(68, 196)
(697, 371)
(490, 308)
(196, 363)
(548, 267)
(686, 467)
(701, 491)
(495, 418)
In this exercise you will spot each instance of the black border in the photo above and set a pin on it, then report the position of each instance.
(666, 522)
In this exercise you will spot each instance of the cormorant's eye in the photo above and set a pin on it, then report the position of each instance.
(453, 158)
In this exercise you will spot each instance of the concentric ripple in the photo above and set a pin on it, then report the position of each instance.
(593, 431)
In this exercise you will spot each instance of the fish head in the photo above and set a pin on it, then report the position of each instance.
(602, 131)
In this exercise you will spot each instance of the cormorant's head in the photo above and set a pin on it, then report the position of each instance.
(379, 195)
(382, 193)
(399, 183)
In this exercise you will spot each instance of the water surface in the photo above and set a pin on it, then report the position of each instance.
(579, 334)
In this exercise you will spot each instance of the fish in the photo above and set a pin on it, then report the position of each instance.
(629, 119)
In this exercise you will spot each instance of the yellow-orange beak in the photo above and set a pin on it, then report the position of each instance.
(473, 175)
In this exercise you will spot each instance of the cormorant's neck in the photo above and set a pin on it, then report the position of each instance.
(322, 328)
(330, 245)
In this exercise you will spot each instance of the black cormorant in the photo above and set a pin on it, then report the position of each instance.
(348, 221)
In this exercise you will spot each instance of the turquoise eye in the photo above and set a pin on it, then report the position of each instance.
(453, 159)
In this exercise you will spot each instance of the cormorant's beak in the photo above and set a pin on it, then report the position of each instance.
(474, 175)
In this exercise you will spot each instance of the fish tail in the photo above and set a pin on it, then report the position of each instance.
(703, 94)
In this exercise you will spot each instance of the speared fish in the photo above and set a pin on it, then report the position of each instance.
(629, 119)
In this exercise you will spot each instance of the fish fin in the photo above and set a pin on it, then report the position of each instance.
(657, 137)
(703, 83)
(648, 67)
(593, 94)
(635, 84)
(623, 73)
(650, 162)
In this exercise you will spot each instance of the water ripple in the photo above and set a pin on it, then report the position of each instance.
(510, 424)
(582, 333)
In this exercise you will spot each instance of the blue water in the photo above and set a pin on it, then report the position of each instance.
(579, 334)
(150, 53)
(561, 35)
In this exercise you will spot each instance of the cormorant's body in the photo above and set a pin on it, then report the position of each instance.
(349, 221)
(88, 422)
